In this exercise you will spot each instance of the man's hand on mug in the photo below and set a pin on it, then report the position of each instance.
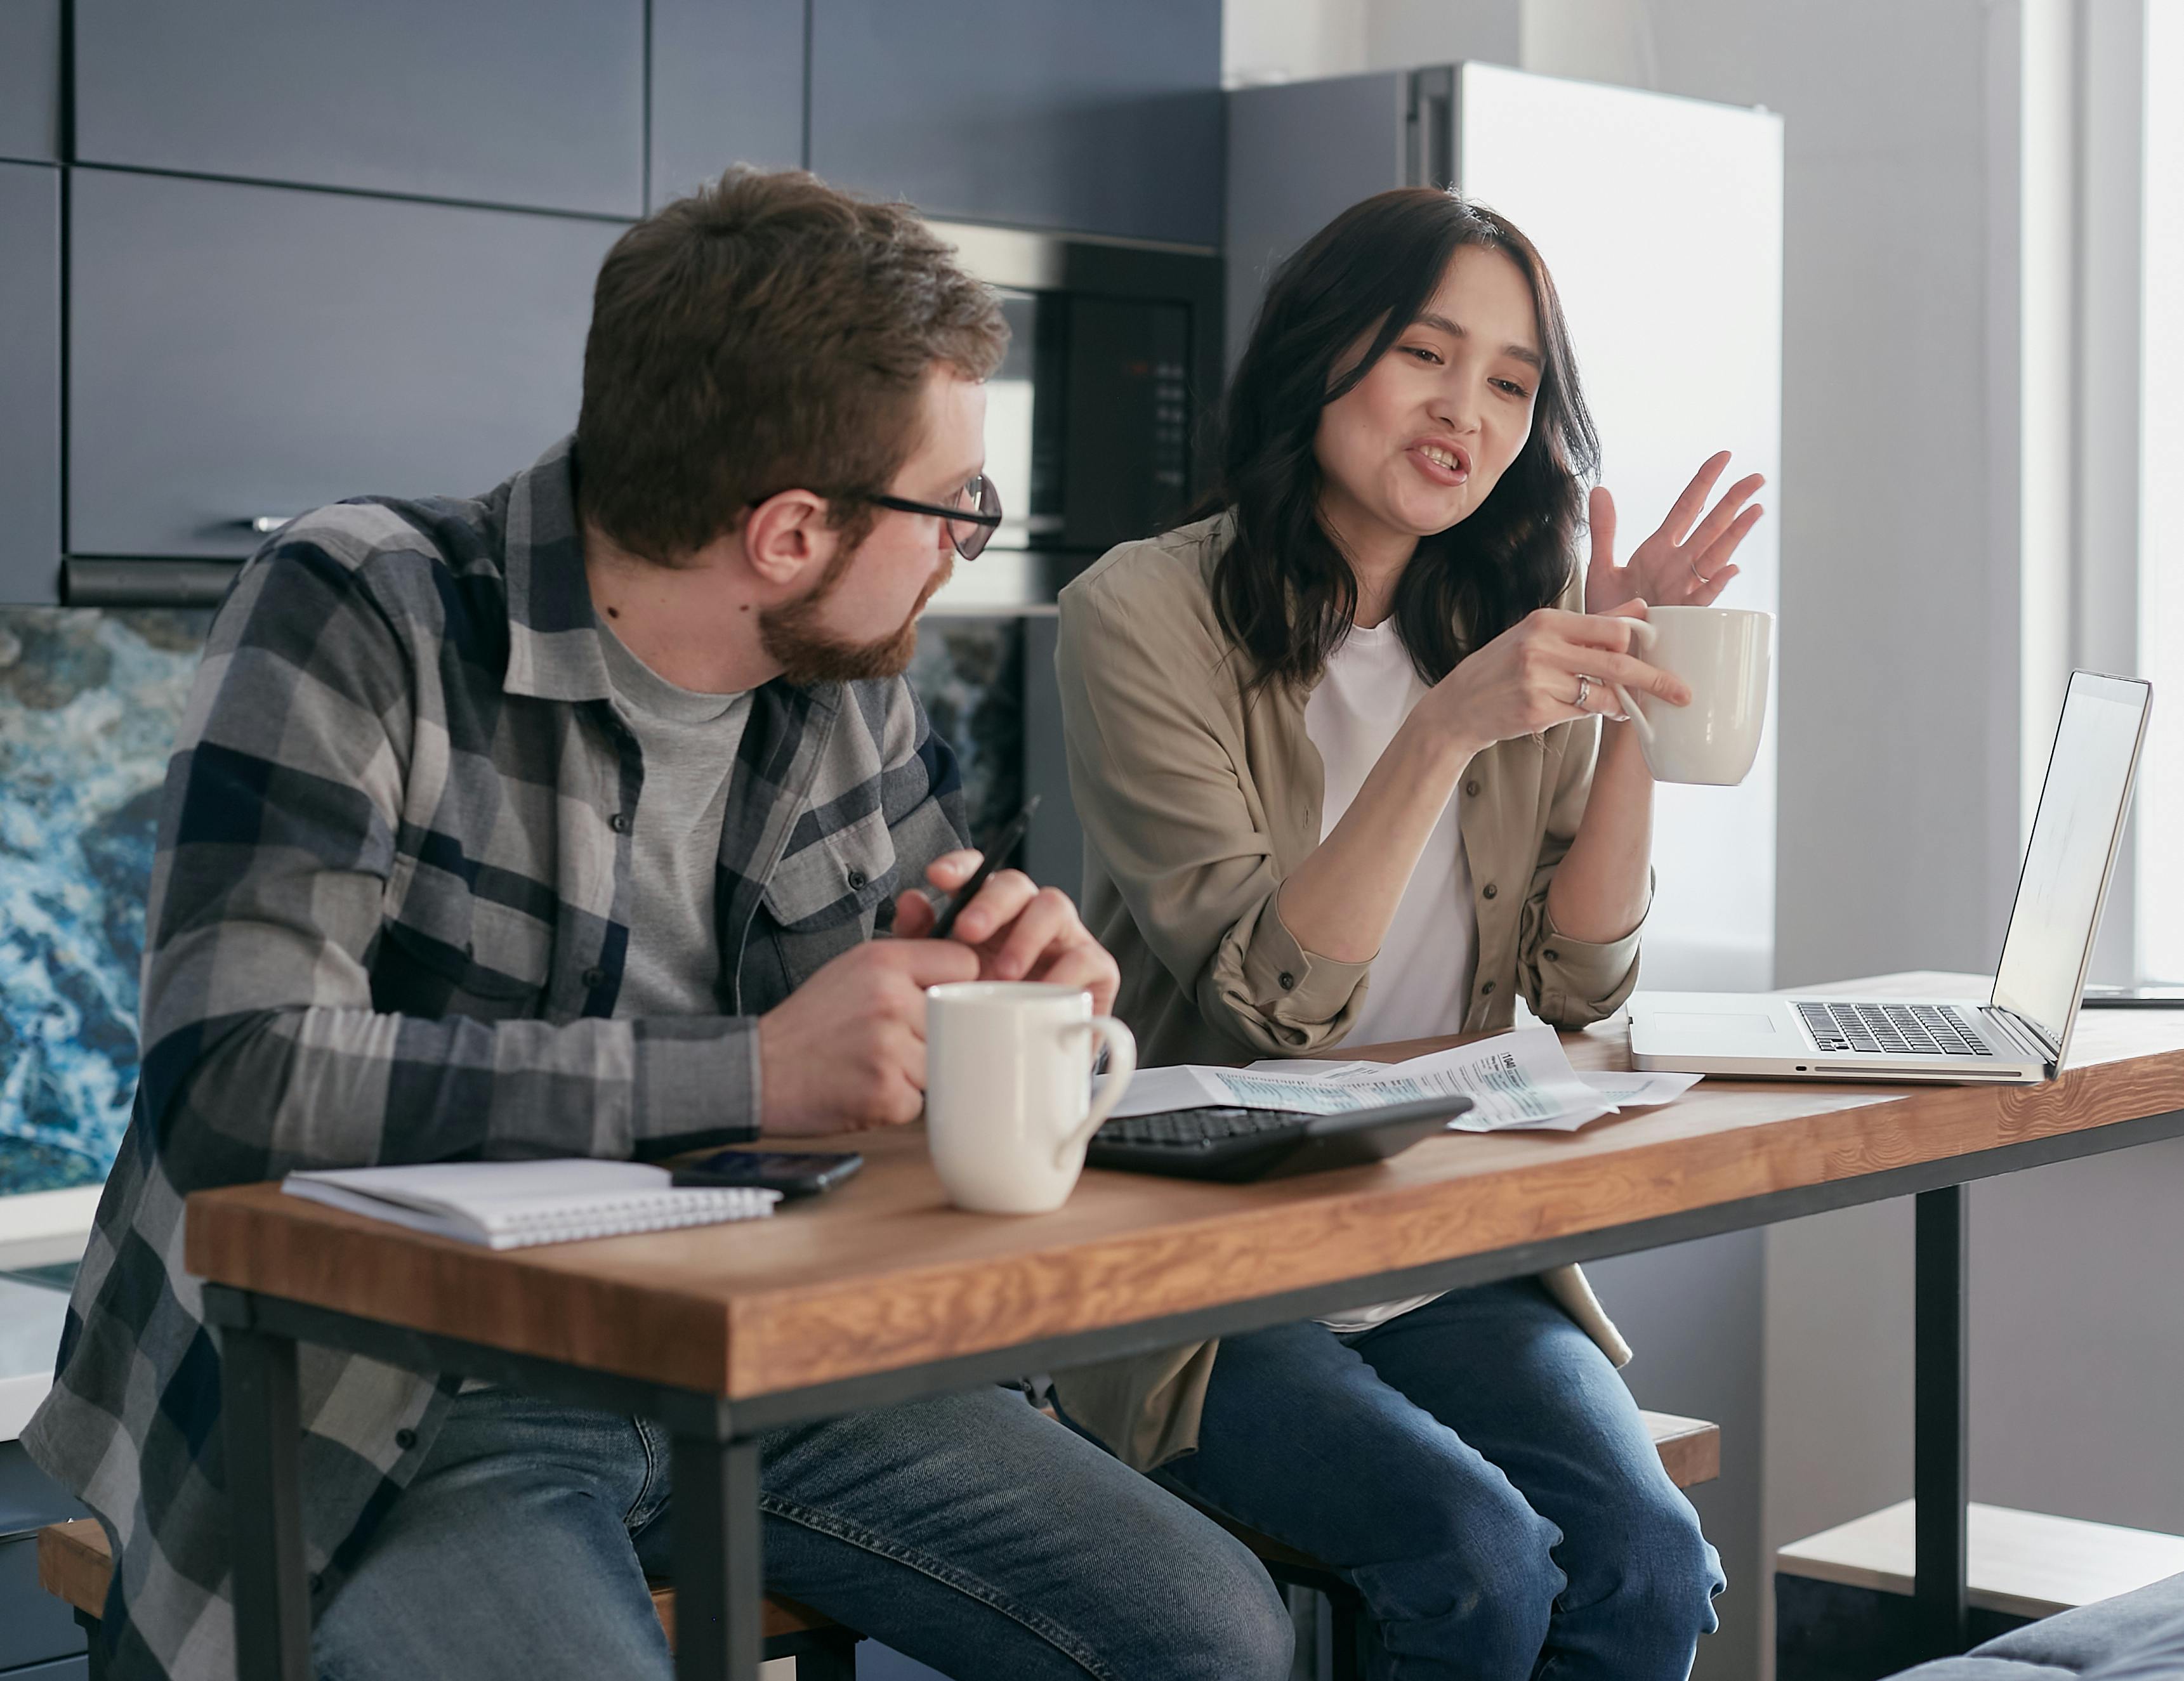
(846, 1049)
(1531, 676)
(1020, 930)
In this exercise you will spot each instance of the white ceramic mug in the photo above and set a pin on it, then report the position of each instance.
(1725, 654)
(1008, 1090)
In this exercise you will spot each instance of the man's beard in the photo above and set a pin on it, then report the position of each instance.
(807, 654)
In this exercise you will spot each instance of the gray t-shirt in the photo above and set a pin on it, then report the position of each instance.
(689, 741)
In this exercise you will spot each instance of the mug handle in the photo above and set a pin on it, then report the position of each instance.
(1643, 634)
(1122, 1047)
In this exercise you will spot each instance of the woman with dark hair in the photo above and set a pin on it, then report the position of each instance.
(1348, 762)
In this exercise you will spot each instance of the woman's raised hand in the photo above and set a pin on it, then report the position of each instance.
(1548, 668)
(1677, 566)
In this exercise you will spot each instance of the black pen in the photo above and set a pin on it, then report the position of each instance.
(997, 847)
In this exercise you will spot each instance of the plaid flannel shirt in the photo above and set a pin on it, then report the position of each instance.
(387, 921)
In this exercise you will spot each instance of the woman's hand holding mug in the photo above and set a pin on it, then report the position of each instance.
(1548, 668)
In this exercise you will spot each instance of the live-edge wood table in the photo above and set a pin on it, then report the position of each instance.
(879, 1291)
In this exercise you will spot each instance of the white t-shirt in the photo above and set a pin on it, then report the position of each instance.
(1422, 975)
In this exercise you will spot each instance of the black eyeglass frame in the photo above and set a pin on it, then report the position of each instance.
(983, 523)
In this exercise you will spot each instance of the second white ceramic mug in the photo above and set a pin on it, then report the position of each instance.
(1008, 1090)
(1725, 655)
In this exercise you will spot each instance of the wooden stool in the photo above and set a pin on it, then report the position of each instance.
(75, 1565)
(1690, 1451)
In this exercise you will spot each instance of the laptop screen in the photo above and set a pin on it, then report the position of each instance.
(2075, 834)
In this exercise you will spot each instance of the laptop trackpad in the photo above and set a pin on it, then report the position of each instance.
(1716, 1032)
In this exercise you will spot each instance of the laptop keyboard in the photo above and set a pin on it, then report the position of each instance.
(1892, 1029)
(1184, 1127)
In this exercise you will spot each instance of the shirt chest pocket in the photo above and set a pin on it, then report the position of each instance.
(828, 896)
(496, 972)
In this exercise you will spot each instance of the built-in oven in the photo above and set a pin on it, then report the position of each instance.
(1094, 435)
(1093, 423)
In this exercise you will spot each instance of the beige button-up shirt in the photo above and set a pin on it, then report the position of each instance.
(1197, 801)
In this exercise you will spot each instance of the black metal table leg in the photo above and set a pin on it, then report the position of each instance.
(1941, 1472)
(719, 1569)
(266, 1512)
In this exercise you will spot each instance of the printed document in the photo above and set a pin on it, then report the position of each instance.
(1516, 1081)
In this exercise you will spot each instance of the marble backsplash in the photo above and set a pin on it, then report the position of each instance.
(89, 704)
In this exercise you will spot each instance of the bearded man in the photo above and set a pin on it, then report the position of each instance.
(587, 818)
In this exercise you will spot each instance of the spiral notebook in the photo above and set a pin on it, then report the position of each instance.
(508, 1205)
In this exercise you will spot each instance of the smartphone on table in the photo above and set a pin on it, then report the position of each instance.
(2134, 998)
(793, 1173)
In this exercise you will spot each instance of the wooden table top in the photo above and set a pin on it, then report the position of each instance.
(883, 1273)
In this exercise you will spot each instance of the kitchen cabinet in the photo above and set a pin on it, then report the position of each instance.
(1045, 114)
(31, 80)
(727, 87)
(30, 381)
(241, 352)
(530, 103)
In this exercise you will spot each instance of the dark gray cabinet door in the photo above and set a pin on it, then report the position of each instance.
(535, 102)
(30, 381)
(1098, 119)
(31, 79)
(238, 351)
(727, 87)
(34, 1625)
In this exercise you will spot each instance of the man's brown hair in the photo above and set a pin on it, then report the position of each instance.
(767, 333)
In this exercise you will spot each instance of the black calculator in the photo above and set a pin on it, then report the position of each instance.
(1235, 1145)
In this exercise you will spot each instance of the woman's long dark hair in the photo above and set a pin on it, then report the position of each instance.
(1282, 588)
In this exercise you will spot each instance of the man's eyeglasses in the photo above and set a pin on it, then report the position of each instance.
(967, 530)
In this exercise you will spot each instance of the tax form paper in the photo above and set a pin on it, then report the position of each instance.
(1516, 1081)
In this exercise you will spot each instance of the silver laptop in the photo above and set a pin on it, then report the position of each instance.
(2019, 1033)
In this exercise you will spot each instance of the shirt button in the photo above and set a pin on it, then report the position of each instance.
(1552, 956)
(1484, 987)
(1288, 980)
(405, 1439)
(1471, 788)
(856, 880)
(619, 822)
(595, 977)
(1490, 890)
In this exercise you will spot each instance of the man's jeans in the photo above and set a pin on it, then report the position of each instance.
(968, 1532)
(1477, 1468)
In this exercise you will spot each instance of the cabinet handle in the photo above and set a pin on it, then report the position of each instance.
(145, 584)
(266, 524)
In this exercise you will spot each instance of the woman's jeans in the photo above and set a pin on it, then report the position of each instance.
(1478, 1470)
(968, 1532)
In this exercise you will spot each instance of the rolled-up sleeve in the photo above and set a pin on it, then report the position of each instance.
(1280, 996)
(1154, 766)
(1570, 983)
